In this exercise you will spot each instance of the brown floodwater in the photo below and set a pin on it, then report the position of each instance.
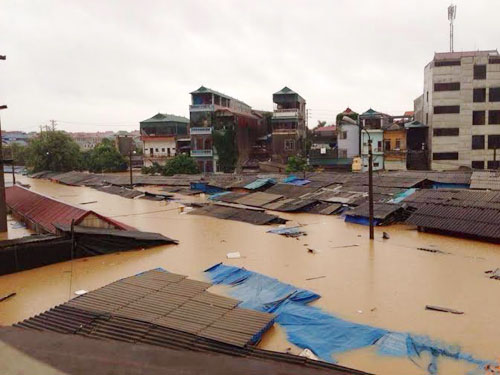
(386, 283)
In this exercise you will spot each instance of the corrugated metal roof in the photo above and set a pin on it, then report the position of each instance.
(159, 298)
(381, 211)
(46, 212)
(238, 214)
(485, 180)
(168, 352)
(258, 199)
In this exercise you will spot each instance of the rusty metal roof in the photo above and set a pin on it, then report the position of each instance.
(485, 180)
(160, 299)
(258, 199)
(45, 211)
(237, 214)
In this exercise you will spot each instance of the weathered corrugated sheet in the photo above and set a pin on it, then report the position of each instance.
(238, 214)
(120, 190)
(381, 211)
(41, 212)
(485, 180)
(258, 199)
(168, 351)
(160, 299)
(290, 191)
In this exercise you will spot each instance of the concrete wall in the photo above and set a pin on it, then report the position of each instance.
(351, 143)
(462, 143)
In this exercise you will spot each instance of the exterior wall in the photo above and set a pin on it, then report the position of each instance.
(94, 221)
(161, 148)
(418, 108)
(377, 137)
(462, 143)
(394, 157)
(351, 142)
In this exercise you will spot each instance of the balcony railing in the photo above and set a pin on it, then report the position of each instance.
(285, 113)
(201, 107)
(201, 153)
(285, 131)
(200, 130)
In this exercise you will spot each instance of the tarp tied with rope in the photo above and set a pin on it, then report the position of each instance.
(323, 333)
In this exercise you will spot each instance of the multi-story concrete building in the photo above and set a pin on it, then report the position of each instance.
(288, 124)
(348, 134)
(87, 141)
(461, 106)
(373, 123)
(218, 120)
(159, 135)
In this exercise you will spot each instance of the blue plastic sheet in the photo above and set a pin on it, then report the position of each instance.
(323, 333)
(260, 182)
(398, 198)
(294, 180)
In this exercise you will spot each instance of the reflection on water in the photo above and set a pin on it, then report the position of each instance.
(385, 284)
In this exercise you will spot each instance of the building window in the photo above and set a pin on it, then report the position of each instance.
(376, 164)
(493, 117)
(443, 109)
(427, 97)
(387, 144)
(479, 95)
(493, 141)
(478, 142)
(379, 146)
(168, 151)
(445, 156)
(492, 164)
(477, 164)
(156, 150)
(289, 144)
(494, 94)
(163, 149)
(398, 144)
(478, 117)
(447, 63)
(494, 60)
(151, 150)
(448, 86)
(426, 118)
(445, 132)
(479, 71)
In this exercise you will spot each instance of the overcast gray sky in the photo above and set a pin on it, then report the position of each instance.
(107, 64)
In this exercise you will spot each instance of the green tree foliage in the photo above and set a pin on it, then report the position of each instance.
(53, 150)
(321, 124)
(225, 145)
(179, 164)
(105, 158)
(297, 164)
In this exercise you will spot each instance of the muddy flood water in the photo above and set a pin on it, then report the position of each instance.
(386, 283)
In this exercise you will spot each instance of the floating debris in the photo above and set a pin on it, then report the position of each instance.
(235, 255)
(288, 231)
(443, 309)
(10, 295)
(315, 278)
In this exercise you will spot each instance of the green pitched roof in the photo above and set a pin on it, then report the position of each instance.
(165, 117)
(203, 90)
(285, 90)
(371, 112)
(415, 124)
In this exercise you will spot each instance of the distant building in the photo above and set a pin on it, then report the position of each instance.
(19, 137)
(417, 153)
(324, 151)
(288, 125)
(160, 135)
(87, 141)
(395, 147)
(374, 123)
(460, 102)
(348, 135)
(214, 114)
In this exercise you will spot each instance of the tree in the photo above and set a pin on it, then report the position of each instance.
(105, 158)
(297, 164)
(321, 124)
(225, 145)
(54, 151)
(180, 164)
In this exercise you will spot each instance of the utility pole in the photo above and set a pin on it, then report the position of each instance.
(3, 204)
(370, 187)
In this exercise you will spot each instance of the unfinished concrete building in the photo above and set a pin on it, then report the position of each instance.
(461, 106)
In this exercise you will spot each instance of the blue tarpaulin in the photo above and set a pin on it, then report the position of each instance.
(205, 187)
(294, 180)
(398, 198)
(323, 333)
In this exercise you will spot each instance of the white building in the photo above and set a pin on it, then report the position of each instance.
(348, 138)
(461, 106)
(374, 123)
(159, 135)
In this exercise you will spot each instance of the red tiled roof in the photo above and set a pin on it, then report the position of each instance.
(409, 114)
(330, 128)
(46, 211)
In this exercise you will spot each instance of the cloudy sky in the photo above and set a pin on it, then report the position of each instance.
(107, 64)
